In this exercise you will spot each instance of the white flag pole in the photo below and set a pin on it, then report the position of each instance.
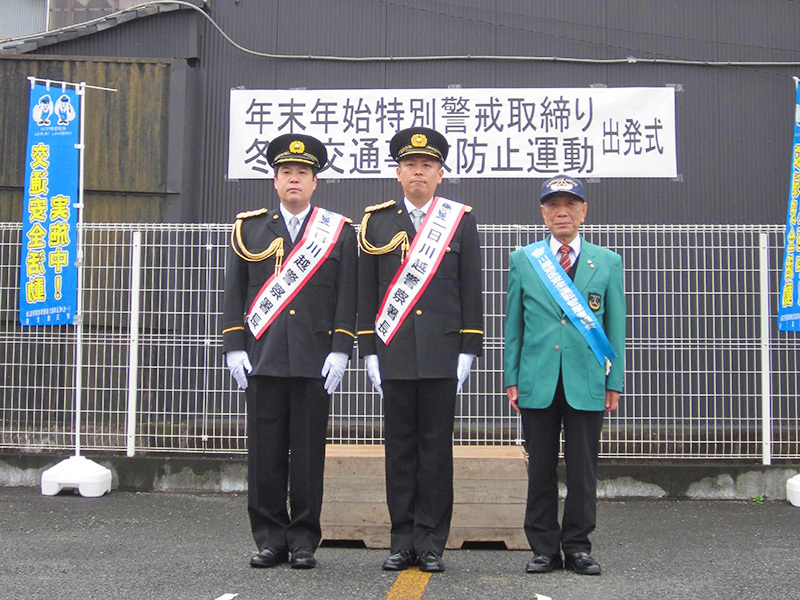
(80, 90)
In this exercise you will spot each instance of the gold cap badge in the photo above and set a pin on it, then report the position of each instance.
(297, 147)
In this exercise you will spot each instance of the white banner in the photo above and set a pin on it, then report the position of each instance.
(493, 132)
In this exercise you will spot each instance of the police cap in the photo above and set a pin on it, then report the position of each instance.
(419, 140)
(295, 147)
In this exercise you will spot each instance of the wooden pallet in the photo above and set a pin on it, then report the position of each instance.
(489, 487)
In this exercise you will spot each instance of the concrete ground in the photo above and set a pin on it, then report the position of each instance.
(143, 545)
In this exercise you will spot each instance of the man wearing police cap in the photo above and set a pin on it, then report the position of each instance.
(564, 366)
(420, 326)
(288, 331)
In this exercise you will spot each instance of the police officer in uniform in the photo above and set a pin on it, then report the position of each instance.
(290, 371)
(430, 352)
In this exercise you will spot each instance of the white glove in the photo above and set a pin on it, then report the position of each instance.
(374, 372)
(239, 366)
(333, 368)
(462, 372)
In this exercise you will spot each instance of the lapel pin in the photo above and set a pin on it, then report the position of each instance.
(590, 263)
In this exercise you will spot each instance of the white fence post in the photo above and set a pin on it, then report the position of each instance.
(133, 349)
(766, 362)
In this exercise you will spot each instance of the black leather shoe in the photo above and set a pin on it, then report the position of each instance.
(431, 562)
(544, 563)
(400, 561)
(303, 558)
(268, 557)
(582, 563)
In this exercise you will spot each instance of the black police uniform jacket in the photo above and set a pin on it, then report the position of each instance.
(320, 319)
(447, 318)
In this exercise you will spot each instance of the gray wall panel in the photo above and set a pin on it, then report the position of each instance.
(663, 200)
(756, 140)
(341, 28)
(568, 28)
(683, 29)
(765, 30)
(549, 75)
(423, 28)
(22, 17)
(253, 25)
(324, 75)
(168, 35)
(441, 74)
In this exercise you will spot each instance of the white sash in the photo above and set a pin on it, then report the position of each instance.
(427, 250)
(307, 256)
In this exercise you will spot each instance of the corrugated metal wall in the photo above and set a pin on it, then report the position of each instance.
(134, 137)
(167, 35)
(734, 123)
(69, 12)
(22, 17)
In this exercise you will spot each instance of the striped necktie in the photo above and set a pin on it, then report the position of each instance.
(564, 259)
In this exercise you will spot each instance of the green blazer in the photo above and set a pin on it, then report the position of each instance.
(540, 338)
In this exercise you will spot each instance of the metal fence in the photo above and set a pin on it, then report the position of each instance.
(709, 375)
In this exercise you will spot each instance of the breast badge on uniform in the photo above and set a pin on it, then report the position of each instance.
(594, 301)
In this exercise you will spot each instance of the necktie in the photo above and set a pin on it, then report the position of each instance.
(294, 227)
(564, 259)
(416, 218)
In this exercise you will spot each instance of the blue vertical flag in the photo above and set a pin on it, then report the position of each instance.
(789, 307)
(48, 290)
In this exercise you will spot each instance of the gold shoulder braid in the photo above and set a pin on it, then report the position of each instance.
(375, 207)
(400, 238)
(252, 213)
(275, 248)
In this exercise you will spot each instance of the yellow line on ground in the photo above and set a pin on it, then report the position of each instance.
(410, 585)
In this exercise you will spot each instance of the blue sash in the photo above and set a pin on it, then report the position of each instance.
(571, 301)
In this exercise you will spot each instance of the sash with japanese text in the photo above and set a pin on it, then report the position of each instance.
(571, 301)
(424, 256)
(48, 271)
(303, 261)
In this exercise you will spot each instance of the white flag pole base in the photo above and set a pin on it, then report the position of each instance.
(793, 490)
(77, 472)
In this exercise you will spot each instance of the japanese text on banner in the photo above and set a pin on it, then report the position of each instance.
(48, 273)
(493, 132)
(789, 305)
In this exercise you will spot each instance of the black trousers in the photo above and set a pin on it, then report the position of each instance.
(542, 428)
(418, 426)
(286, 415)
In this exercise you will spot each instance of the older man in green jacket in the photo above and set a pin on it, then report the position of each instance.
(564, 366)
